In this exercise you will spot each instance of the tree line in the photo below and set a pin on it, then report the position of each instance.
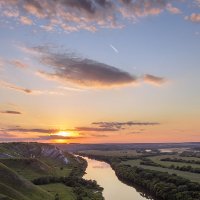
(146, 161)
(159, 184)
(180, 160)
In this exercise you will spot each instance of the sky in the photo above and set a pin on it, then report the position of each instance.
(100, 71)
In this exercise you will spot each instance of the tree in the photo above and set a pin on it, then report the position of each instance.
(57, 196)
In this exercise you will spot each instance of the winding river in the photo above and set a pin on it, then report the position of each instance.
(106, 178)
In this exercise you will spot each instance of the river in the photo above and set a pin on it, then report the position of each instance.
(106, 178)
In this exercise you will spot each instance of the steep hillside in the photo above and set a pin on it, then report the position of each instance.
(16, 187)
(30, 168)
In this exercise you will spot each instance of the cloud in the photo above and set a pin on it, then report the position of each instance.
(4, 134)
(73, 15)
(197, 2)
(19, 64)
(11, 112)
(11, 86)
(194, 17)
(155, 80)
(57, 137)
(135, 9)
(68, 68)
(34, 130)
(25, 20)
(1, 62)
(70, 15)
(80, 71)
(95, 129)
(123, 125)
(173, 9)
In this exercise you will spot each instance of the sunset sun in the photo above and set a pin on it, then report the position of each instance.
(64, 133)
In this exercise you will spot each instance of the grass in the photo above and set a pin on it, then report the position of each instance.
(16, 174)
(28, 168)
(14, 169)
(156, 159)
(16, 187)
(34, 168)
(65, 193)
(187, 175)
(136, 162)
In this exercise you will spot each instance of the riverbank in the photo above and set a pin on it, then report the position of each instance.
(159, 185)
(83, 189)
(114, 189)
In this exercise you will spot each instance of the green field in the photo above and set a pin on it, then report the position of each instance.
(188, 175)
(136, 162)
(65, 193)
(35, 168)
(18, 188)
(156, 159)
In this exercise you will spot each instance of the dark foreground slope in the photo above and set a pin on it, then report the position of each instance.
(16, 187)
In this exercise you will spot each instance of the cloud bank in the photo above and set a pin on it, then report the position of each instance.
(73, 15)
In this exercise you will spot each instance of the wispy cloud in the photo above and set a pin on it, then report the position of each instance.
(11, 86)
(32, 130)
(1, 62)
(18, 63)
(194, 17)
(123, 125)
(12, 112)
(155, 80)
(25, 20)
(95, 129)
(172, 9)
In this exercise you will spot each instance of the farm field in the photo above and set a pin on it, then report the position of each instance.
(188, 175)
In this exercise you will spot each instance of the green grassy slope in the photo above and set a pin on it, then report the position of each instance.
(65, 193)
(18, 188)
(29, 168)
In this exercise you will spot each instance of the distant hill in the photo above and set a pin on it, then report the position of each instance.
(73, 147)
(32, 150)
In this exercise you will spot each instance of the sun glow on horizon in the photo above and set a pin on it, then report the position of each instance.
(64, 133)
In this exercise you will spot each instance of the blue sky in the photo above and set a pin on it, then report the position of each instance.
(113, 61)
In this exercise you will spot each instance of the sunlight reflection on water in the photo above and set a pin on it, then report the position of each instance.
(106, 178)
